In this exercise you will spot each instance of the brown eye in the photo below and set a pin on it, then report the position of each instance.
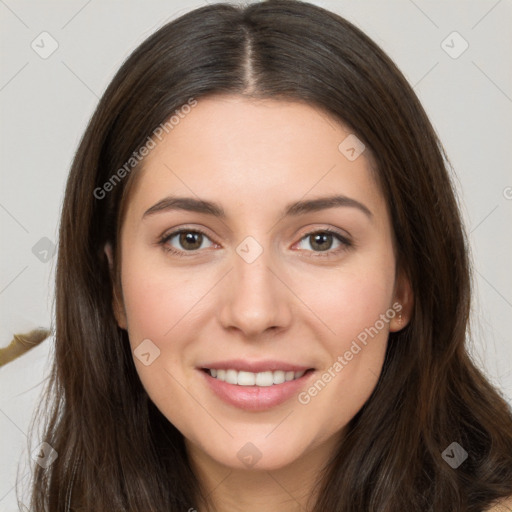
(322, 242)
(185, 240)
(190, 240)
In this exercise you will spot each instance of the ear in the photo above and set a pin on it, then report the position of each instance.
(117, 302)
(403, 303)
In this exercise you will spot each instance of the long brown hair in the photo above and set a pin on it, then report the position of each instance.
(116, 451)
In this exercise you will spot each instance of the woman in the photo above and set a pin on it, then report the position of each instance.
(307, 350)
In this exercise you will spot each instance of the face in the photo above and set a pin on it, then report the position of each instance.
(254, 289)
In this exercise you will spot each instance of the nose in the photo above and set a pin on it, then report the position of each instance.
(255, 298)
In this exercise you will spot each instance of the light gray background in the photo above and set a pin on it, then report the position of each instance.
(46, 103)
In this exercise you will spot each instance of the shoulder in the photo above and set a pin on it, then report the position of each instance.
(503, 505)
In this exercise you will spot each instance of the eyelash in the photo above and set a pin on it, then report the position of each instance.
(346, 244)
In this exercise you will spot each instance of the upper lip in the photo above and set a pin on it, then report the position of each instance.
(255, 366)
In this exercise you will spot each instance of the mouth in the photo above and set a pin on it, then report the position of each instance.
(255, 386)
(260, 379)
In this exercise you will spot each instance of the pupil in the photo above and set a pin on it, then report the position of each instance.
(189, 238)
(323, 237)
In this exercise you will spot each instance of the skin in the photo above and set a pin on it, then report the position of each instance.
(253, 158)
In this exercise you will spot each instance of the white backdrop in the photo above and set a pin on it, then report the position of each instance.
(58, 58)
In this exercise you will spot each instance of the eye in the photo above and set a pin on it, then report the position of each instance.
(189, 240)
(321, 242)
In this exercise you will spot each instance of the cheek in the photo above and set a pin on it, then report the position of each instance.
(160, 307)
(347, 300)
(354, 309)
(158, 300)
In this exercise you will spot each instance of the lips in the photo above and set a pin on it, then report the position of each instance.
(255, 385)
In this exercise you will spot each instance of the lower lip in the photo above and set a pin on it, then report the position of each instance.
(256, 398)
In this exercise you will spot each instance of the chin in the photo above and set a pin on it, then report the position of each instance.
(259, 454)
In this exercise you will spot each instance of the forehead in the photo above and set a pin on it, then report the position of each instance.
(255, 153)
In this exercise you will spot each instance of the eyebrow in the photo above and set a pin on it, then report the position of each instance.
(191, 204)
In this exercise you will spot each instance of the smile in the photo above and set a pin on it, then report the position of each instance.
(263, 379)
(255, 385)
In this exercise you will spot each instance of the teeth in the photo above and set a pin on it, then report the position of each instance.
(279, 377)
(264, 379)
(255, 379)
(246, 379)
(231, 376)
